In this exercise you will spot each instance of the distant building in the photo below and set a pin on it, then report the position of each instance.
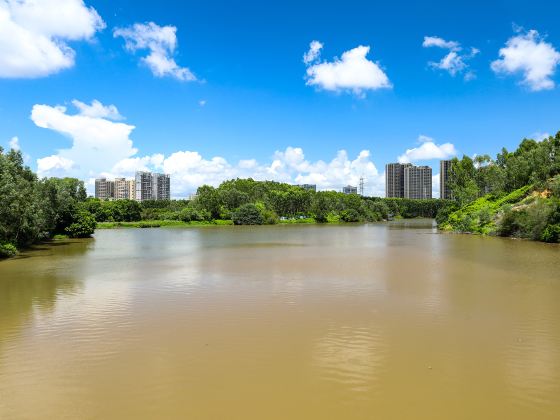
(444, 172)
(349, 189)
(404, 180)
(309, 187)
(152, 186)
(143, 186)
(104, 189)
(124, 189)
(118, 189)
(394, 179)
(161, 184)
(418, 182)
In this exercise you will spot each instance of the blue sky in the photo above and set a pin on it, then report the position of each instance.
(254, 99)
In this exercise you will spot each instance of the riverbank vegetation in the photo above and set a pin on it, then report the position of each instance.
(250, 202)
(33, 209)
(517, 194)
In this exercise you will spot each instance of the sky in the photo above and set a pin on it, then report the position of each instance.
(322, 92)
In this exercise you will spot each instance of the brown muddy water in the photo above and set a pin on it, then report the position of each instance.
(379, 321)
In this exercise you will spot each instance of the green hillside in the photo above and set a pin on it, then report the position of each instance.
(517, 194)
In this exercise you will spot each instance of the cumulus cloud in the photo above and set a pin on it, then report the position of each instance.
(14, 143)
(34, 35)
(97, 110)
(352, 72)
(101, 147)
(428, 150)
(97, 142)
(54, 166)
(529, 54)
(455, 61)
(189, 170)
(161, 42)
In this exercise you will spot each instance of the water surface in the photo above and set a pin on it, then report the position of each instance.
(388, 321)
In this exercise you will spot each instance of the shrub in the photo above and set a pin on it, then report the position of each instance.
(321, 217)
(7, 250)
(191, 214)
(444, 212)
(82, 226)
(269, 217)
(551, 234)
(247, 214)
(507, 224)
(350, 215)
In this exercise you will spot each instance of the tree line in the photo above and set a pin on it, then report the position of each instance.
(36, 209)
(246, 201)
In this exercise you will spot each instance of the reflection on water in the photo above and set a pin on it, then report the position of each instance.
(364, 321)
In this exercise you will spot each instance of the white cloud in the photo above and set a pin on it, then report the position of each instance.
(202, 102)
(54, 166)
(435, 41)
(97, 110)
(435, 186)
(529, 54)
(313, 53)
(538, 136)
(14, 143)
(97, 142)
(161, 42)
(101, 147)
(428, 150)
(352, 72)
(454, 62)
(424, 139)
(34, 35)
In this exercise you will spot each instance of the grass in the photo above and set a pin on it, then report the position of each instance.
(307, 220)
(160, 224)
(480, 215)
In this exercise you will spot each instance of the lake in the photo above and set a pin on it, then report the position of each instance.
(386, 321)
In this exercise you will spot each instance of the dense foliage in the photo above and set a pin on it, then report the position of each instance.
(247, 214)
(239, 200)
(517, 194)
(32, 210)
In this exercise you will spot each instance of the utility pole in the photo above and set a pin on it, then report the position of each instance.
(361, 190)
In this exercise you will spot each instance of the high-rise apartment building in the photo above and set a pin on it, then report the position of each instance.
(151, 186)
(118, 189)
(104, 189)
(444, 172)
(124, 189)
(131, 186)
(143, 186)
(161, 186)
(394, 179)
(404, 180)
(418, 182)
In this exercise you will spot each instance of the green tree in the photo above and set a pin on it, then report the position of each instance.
(247, 214)
(82, 226)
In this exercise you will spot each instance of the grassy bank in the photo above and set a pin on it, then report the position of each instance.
(180, 224)
(161, 224)
(528, 212)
